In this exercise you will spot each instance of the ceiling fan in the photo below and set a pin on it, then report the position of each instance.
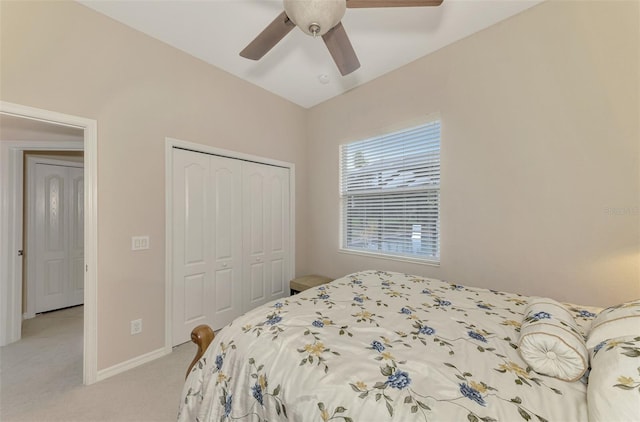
(321, 18)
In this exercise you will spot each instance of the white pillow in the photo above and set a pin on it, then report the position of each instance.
(614, 381)
(615, 321)
(550, 342)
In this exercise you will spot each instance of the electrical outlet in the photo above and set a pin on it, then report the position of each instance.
(139, 243)
(136, 326)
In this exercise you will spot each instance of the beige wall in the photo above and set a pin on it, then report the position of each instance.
(540, 137)
(65, 57)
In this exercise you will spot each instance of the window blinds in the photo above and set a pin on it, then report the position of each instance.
(390, 193)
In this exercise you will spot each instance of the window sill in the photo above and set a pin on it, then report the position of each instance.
(390, 257)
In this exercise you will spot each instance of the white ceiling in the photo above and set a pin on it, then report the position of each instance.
(384, 39)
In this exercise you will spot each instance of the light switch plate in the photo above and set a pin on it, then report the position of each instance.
(139, 243)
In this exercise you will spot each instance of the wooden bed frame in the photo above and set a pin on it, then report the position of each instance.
(202, 336)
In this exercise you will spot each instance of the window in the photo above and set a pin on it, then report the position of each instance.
(390, 194)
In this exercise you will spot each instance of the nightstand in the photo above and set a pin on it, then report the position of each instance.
(303, 283)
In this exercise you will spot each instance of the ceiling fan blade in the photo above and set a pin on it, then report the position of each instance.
(391, 3)
(268, 38)
(341, 50)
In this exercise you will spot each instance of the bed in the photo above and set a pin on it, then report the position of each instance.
(381, 346)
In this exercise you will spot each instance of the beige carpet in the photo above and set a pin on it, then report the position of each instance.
(41, 378)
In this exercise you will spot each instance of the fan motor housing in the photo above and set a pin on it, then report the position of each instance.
(315, 17)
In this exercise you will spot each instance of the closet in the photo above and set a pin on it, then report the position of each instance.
(230, 238)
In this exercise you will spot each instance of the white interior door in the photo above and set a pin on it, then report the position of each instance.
(207, 249)
(279, 249)
(192, 268)
(265, 233)
(225, 199)
(57, 252)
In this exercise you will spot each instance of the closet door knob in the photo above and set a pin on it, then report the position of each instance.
(224, 265)
(258, 259)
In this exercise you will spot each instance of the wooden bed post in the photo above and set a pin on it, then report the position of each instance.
(202, 336)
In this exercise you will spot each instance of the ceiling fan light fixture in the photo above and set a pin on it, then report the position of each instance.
(315, 17)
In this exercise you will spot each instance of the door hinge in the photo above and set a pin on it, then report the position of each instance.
(20, 252)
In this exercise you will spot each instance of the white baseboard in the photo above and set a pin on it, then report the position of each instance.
(27, 315)
(131, 363)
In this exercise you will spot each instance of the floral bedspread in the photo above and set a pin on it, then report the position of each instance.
(379, 346)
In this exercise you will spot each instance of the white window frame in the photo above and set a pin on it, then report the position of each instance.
(343, 248)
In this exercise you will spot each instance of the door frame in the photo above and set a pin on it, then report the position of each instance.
(11, 167)
(170, 144)
(30, 183)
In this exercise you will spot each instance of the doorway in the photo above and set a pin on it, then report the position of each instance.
(12, 150)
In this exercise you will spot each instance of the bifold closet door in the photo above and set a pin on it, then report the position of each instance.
(265, 204)
(207, 246)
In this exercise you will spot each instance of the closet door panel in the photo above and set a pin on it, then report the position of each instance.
(266, 220)
(193, 271)
(277, 214)
(254, 219)
(254, 200)
(278, 254)
(194, 192)
(277, 277)
(194, 291)
(226, 213)
(224, 291)
(256, 284)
